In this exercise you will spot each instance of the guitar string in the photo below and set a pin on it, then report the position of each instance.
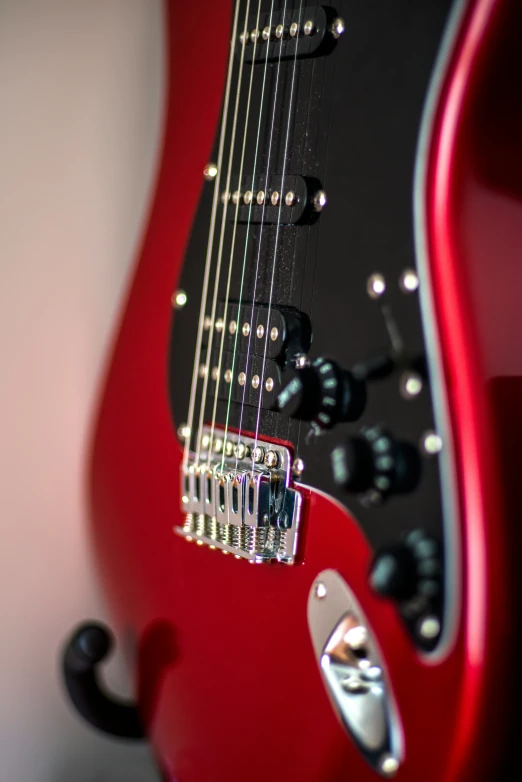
(277, 228)
(232, 250)
(220, 246)
(208, 261)
(258, 258)
(245, 255)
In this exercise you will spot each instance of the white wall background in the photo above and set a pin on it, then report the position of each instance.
(80, 106)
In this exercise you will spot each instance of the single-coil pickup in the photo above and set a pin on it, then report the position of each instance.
(288, 199)
(298, 32)
(279, 333)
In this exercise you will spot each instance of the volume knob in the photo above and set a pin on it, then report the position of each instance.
(375, 459)
(322, 392)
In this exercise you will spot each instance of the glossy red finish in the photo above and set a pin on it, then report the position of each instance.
(229, 688)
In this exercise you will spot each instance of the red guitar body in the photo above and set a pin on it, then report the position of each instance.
(227, 678)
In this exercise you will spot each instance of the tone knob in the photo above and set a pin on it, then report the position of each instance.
(322, 392)
(411, 573)
(376, 460)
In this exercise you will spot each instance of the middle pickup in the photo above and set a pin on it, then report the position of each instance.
(272, 199)
(279, 333)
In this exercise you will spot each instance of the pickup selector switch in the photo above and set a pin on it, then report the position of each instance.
(376, 460)
(322, 392)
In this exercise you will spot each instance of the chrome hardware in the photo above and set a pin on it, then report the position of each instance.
(353, 672)
(279, 31)
(290, 198)
(410, 385)
(298, 468)
(375, 285)
(338, 27)
(294, 29)
(408, 282)
(249, 510)
(431, 443)
(179, 299)
(309, 27)
(210, 172)
(320, 200)
(274, 198)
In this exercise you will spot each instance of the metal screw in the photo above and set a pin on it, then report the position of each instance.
(228, 376)
(320, 200)
(389, 765)
(179, 299)
(431, 443)
(375, 285)
(338, 27)
(274, 198)
(301, 361)
(429, 628)
(298, 468)
(258, 454)
(246, 329)
(410, 385)
(266, 34)
(320, 590)
(254, 35)
(290, 198)
(274, 333)
(247, 198)
(241, 378)
(232, 326)
(294, 29)
(271, 459)
(218, 446)
(210, 172)
(354, 685)
(269, 385)
(255, 381)
(229, 448)
(408, 281)
(260, 330)
(236, 195)
(205, 441)
(279, 31)
(183, 431)
(240, 450)
(220, 325)
(243, 38)
(309, 27)
(260, 197)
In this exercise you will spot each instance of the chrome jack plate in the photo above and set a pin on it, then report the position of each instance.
(353, 671)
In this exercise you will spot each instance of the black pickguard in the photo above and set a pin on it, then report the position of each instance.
(354, 127)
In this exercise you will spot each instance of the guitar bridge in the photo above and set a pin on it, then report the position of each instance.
(238, 498)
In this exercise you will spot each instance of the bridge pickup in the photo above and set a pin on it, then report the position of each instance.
(282, 333)
(286, 200)
(285, 46)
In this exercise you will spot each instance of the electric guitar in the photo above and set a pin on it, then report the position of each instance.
(305, 470)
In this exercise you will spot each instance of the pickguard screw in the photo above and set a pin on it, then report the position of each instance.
(179, 299)
(389, 765)
(210, 171)
(408, 281)
(376, 285)
(298, 468)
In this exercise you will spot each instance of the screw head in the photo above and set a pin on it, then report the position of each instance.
(320, 200)
(279, 31)
(389, 765)
(179, 299)
(375, 285)
(309, 27)
(290, 198)
(269, 385)
(258, 454)
(408, 281)
(294, 29)
(271, 459)
(210, 171)
(320, 590)
(274, 198)
(356, 638)
(247, 197)
(266, 34)
(338, 27)
(260, 197)
(298, 468)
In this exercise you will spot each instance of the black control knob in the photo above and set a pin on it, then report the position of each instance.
(411, 569)
(322, 392)
(376, 460)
